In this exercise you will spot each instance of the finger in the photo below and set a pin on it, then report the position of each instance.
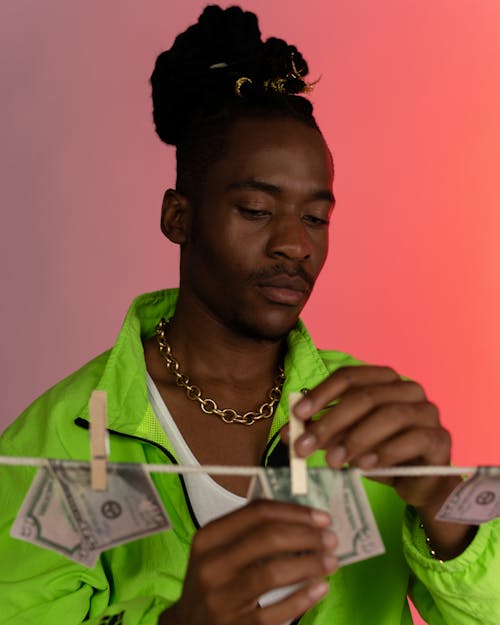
(229, 527)
(285, 434)
(338, 383)
(268, 541)
(265, 576)
(261, 578)
(292, 606)
(425, 446)
(380, 425)
(422, 445)
(355, 404)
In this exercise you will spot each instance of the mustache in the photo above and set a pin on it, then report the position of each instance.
(283, 269)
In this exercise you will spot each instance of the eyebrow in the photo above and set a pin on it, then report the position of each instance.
(259, 185)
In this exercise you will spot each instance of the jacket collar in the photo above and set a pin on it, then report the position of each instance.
(124, 375)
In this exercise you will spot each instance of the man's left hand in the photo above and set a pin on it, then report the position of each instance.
(378, 420)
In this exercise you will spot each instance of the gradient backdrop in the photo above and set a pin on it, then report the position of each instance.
(409, 101)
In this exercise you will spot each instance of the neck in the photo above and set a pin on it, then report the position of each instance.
(211, 352)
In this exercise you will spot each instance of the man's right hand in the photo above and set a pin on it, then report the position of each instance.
(239, 557)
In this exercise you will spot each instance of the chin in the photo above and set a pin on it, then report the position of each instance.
(265, 329)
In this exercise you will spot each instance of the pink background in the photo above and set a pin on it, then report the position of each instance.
(409, 101)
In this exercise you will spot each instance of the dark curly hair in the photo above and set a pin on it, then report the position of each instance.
(195, 93)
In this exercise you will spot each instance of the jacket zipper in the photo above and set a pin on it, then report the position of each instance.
(85, 424)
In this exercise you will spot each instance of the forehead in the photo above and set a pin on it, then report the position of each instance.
(284, 152)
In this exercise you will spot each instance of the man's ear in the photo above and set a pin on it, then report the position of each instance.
(175, 216)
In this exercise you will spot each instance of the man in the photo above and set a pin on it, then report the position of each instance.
(250, 213)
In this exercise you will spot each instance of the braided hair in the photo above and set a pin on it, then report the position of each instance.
(218, 71)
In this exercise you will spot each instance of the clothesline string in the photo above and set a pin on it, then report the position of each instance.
(407, 471)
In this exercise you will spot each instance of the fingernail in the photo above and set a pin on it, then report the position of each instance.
(329, 539)
(302, 409)
(330, 562)
(368, 461)
(321, 518)
(306, 444)
(317, 590)
(337, 456)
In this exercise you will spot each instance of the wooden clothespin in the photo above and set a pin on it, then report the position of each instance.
(98, 440)
(298, 466)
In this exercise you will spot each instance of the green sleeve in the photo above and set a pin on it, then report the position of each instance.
(462, 591)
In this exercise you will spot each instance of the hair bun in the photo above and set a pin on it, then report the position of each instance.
(197, 76)
(183, 80)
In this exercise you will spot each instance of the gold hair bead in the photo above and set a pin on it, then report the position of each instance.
(239, 83)
(275, 84)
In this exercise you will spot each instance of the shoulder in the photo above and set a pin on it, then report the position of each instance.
(334, 359)
(39, 425)
(306, 365)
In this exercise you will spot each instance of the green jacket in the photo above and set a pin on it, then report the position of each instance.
(137, 581)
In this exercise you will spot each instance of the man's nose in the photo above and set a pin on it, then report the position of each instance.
(289, 239)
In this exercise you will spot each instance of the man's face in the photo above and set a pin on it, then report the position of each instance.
(259, 236)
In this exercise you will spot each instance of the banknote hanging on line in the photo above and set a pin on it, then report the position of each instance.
(61, 511)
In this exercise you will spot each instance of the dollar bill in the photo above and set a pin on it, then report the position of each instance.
(474, 501)
(338, 492)
(61, 511)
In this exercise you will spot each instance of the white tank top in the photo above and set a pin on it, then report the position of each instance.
(209, 500)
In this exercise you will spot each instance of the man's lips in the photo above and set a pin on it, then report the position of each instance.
(284, 290)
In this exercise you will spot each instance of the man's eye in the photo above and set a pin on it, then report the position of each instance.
(252, 213)
(314, 220)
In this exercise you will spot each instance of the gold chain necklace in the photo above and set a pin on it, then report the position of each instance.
(209, 406)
